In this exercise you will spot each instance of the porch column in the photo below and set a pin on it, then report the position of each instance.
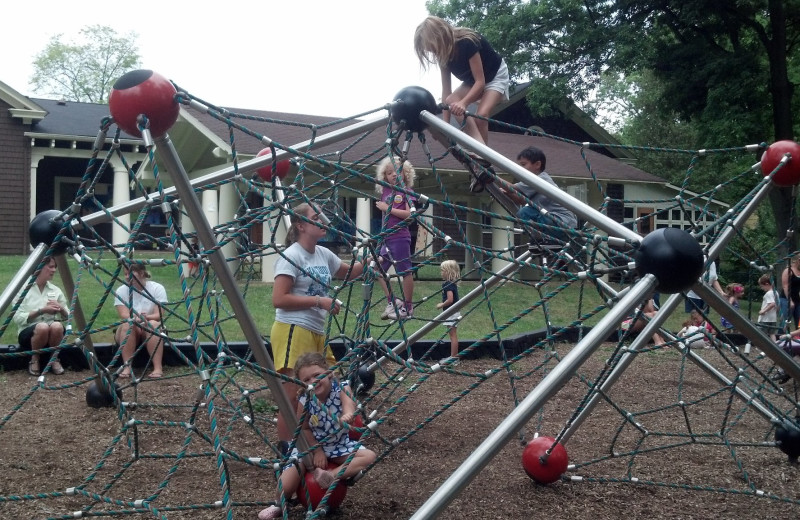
(363, 214)
(268, 260)
(502, 236)
(474, 236)
(228, 204)
(121, 195)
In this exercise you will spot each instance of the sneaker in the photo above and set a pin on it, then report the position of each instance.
(270, 513)
(57, 368)
(33, 367)
(391, 311)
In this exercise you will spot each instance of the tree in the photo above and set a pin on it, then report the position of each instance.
(84, 70)
(722, 66)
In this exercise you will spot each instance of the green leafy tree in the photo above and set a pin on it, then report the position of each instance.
(84, 69)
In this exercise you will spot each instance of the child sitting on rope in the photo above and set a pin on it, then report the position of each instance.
(326, 411)
(537, 207)
(396, 250)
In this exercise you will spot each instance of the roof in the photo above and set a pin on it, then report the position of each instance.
(72, 118)
(565, 160)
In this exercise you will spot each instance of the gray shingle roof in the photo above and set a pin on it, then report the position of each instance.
(564, 159)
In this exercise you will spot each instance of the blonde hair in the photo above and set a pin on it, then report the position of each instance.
(309, 359)
(451, 271)
(435, 40)
(303, 209)
(409, 174)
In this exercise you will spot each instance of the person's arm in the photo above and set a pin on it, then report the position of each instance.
(476, 91)
(25, 313)
(448, 302)
(509, 189)
(715, 284)
(447, 89)
(358, 268)
(766, 309)
(785, 284)
(348, 407)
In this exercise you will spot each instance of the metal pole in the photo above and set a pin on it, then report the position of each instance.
(501, 275)
(217, 260)
(19, 279)
(613, 228)
(537, 398)
(759, 339)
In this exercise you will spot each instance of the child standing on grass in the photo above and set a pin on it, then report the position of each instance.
(768, 314)
(468, 56)
(396, 250)
(327, 412)
(451, 273)
(733, 291)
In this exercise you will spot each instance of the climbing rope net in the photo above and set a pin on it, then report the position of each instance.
(209, 425)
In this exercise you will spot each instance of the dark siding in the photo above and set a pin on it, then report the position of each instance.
(15, 182)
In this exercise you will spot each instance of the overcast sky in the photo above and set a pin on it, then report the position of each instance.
(299, 56)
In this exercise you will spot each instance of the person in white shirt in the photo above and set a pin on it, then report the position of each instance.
(139, 306)
(37, 317)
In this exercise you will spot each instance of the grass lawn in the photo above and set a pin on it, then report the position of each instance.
(505, 306)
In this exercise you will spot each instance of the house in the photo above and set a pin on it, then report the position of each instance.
(47, 150)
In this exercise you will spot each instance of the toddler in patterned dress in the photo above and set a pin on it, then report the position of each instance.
(327, 412)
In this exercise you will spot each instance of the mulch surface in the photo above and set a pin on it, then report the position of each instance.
(51, 442)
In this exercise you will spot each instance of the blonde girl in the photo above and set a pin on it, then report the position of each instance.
(327, 414)
(467, 55)
(451, 274)
(396, 249)
(303, 275)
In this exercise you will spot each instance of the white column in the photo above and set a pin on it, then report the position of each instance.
(211, 207)
(268, 262)
(424, 243)
(364, 215)
(228, 204)
(474, 234)
(35, 158)
(502, 236)
(121, 195)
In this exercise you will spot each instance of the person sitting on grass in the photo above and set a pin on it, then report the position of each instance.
(328, 411)
(138, 305)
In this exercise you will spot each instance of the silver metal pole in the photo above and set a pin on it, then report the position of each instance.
(22, 276)
(502, 275)
(588, 213)
(759, 339)
(537, 398)
(628, 357)
(217, 259)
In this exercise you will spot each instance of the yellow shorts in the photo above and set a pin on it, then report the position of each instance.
(289, 342)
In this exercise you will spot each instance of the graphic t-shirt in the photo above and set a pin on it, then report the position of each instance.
(312, 273)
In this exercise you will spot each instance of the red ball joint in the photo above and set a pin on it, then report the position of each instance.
(789, 174)
(543, 467)
(143, 93)
(310, 490)
(281, 169)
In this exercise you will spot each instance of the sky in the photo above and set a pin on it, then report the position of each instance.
(298, 56)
